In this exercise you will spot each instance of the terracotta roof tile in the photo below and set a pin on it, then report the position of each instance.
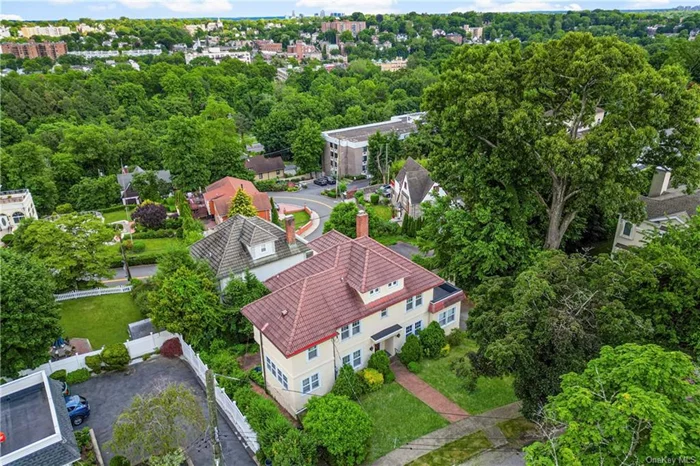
(322, 293)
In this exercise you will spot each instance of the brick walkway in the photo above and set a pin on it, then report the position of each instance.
(427, 394)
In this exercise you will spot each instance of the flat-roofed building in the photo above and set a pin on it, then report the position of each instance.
(347, 149)
(15, 206)
(36, 424)
(31, 49)
(341, 26)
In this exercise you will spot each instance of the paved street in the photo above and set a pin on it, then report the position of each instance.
(137, 271)
(109, 394)
(313, 198)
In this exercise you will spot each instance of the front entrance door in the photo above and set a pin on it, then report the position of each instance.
(376, 347)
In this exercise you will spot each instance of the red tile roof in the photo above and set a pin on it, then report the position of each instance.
(311, 300)
(222, 191)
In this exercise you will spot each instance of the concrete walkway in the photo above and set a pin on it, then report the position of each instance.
(434, 440)
(427, 394)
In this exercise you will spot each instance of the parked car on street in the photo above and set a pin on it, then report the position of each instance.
(384, 190)
(322, 181)
(330, 180)
(78, 409)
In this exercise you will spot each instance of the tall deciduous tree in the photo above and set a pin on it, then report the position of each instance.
(516, 127)
(30, 319)
(95, 193)
(25, 166)
(242, 204)
(549, 320)
(630, 404)
(158, 423)
(186, 153)
(307, 147)
(73, 247)
(383, 149)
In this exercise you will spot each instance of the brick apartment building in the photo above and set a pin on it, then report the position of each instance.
(347, 149)
(52, 50)
(302, 50)
(341, 26)
(268, 46)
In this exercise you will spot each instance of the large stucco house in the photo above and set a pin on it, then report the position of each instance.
(665, 206)
(352, 298)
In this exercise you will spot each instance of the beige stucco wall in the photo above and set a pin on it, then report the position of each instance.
(639, 233)
(269, 175)
(330, 353)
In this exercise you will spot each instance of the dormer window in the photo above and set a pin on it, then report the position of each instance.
(374, 292)
(263, 248)
(393, 284)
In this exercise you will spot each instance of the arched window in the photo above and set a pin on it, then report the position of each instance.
(17, 217)
(4, 222)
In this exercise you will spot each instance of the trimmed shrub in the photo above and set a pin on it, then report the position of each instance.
(348, 383)
(64, 209)
(432, 339)
(115, 356)
(445, 350)
(464, 370)
(296, 448)
(374, 198)
(171, 348)
(138, 246)
(359, 197)
(456, 338)
(372, 378)
(94, 363)
(414, 367)
(151, 234)
(79, 376)
(380, 362)
(150, 215)
(8, 239)
(119, 461)
(411, 350)
(59, 375)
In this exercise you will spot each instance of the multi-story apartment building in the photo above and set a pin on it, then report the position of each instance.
(396, 64)
(50, 31)
(302, 50)
(15, 206)
(52, 50)
(217, 54)
(347, 150)
(477, 33)
(95, 53)
(340, 26)
(268, 46)
(354, 297)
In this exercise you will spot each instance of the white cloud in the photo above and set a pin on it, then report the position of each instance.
(195, 7)
(105, 7)
(351, 6)
(517, 6)
(10, 17)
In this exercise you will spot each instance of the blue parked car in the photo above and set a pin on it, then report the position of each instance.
(78, 409)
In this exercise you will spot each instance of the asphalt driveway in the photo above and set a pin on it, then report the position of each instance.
(109, 394)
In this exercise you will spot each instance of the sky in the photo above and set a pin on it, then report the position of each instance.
(102, 9)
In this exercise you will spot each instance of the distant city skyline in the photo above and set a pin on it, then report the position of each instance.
(105, 9)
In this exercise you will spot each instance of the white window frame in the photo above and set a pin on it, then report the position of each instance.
(625, 235)
(357, 358)
(349, 360)
(409, 304)
(356, 328)
(277, 372)
(417, 327)
(393, 284)
(447, 317)
(374, 292)
(313, 349)
(418, 300)
(263, 248)
(343, 330)
(384, 314)
(309, 381)
(408, 330)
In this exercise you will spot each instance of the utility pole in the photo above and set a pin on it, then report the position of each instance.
(213, 418)
(126, 262)
(386, 165)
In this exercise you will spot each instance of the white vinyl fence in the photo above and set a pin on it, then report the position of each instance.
(137, 348)
(94, 292)
(225, 403)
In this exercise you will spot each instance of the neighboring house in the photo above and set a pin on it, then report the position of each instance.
(15, 206)
(35, 422)
(347, 149)
(352, 298)
(218, 196)
(129, 194)
(250, 243)
(413, 186)
(266, 168)
(597, 119)
(664, 205)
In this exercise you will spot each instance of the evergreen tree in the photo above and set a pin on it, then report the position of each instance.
(242, 204)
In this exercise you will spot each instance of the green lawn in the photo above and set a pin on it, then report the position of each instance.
(153, 246)
(390, 240)
(455, 452)
(491, 392)
(301, 218)
(116, 216)
(101, 319)
(398, 417)
(381, 211)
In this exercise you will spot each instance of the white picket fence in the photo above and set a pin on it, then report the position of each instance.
(94, 292)
(137, 348)
(228, 406)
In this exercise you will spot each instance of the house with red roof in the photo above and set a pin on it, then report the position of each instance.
(218, 196)
(353, 297)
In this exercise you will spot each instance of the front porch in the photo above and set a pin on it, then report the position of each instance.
(387, 340)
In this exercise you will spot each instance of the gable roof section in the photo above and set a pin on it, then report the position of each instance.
(261, 164)
(327, 241)
(124, 179)
(225, 249)
(222, 191)
(314, 298)
(672, 202)
(418, 178)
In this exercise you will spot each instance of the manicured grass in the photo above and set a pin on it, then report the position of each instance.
(455, 452)
(491, 392)
(381, 211)
(116, 216)
(398, 417)
(301, 218)
(101, 319)
(393, 239)
(153, 246)
(514, 429)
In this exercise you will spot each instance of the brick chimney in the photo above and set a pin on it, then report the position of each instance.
(659, 183)
(290, 232)
(362, 225)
